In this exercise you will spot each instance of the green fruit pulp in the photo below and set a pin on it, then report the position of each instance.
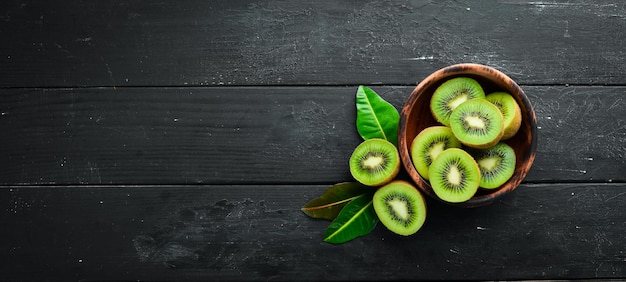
(428, 144)
(454, 176)
(477, 123)
(452, 93)
(496, 164)
(375, 162)
(511, 112)
(400, 207)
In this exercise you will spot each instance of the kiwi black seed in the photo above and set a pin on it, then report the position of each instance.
(428, 144)
(511, 112)
(400, 207)
(375, 162)
(496, 164)
(477, 123)
(454, 176)
(451, 94)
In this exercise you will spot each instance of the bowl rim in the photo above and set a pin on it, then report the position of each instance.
(485, 72)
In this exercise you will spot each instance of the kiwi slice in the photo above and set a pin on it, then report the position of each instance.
(454, 176)
(451, 94)
(428, 144)
(400, 207)
(510, 111)
(375, 162)
(496, 164)
(477, 123)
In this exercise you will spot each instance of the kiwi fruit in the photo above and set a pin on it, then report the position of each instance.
(496, 164)
(477, 123)
(454, 176)
(511, 112)
(400, 207)
(375, 162)
(451, 94)
(428, 144)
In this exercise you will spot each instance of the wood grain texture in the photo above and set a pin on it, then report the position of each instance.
(133, 43)
(257, 232)
(239, 135)
(177, 140)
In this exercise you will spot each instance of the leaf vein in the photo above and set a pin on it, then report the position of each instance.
(329, 204)
(362, 210)
(380, 127)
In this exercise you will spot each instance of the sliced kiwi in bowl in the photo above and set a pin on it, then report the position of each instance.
(428, 144)
(511, 112)
(477, 123)
(451, 94)
(400, 207)
(418, 114)
(496, 164)
(454, 176)
(375, 162)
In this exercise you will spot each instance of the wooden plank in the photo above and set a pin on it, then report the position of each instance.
(256, 232)
(133, 43)
(260, 134)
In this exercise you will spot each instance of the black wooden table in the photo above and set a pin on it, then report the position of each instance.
(177, 140)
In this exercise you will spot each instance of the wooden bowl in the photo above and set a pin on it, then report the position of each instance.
(416, 116)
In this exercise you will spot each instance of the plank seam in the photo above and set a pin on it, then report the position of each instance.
(277, 86)
(87, 186)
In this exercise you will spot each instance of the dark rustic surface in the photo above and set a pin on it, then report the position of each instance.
(177, 140)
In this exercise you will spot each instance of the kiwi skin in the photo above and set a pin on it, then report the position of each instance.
(407, 201)
(371, 149)
(438, 184)
(511, 112)
(460, 89)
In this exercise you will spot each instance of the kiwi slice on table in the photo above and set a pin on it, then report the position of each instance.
(454, 176)
(477, 123)
(375, 162)
(451, 94)
(428, 144)
(510, 111)
(400, 207)
(496, 164)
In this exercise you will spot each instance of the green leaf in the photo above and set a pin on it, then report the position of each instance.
(375, 117)
(356, 219)
(329, 204)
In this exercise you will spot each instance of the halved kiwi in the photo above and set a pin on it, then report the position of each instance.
(375, 162)
(496, 164)
(451, 94)
(428, 144)
(510, 111)
(454, 176)
(400, 207)
(477, 123)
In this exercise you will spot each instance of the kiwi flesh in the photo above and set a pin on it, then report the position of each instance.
(477, 123)
(375, 162)
(428, 144)
(450, 94)
(454, 176)
(400, 207)
(496, 164)
(511, 112)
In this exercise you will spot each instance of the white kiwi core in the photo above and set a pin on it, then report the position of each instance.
(373, 161)
(454, 175)
(488, 163)
(474, 122)
(436, 149)
(400, 208)
(452, 104)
